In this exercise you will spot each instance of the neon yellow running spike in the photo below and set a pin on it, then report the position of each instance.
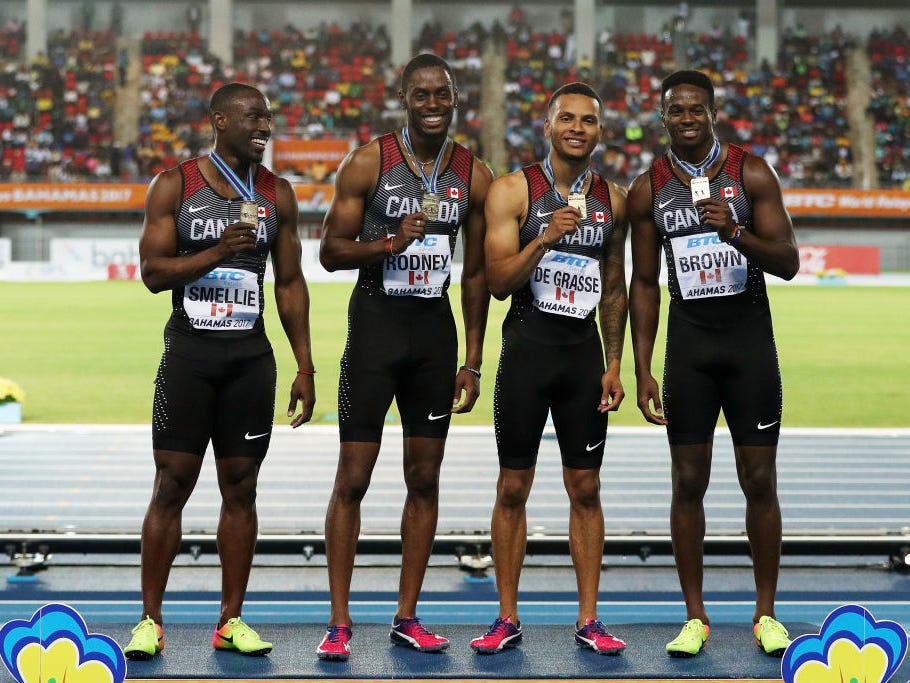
(238, 637)
(691, 639)
(147, 641)
(771, 636)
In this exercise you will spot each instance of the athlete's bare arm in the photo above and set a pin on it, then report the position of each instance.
(508, 266)
(475, 296)
(355, 184)
(158, 261)
(644, 296)
(292, 299)
(772, 245)
(613, 308)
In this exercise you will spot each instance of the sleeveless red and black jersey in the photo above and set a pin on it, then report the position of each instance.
(399, 192)
(229, 299)
(708, 280)
(553, 318)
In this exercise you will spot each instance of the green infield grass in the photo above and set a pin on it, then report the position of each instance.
(87, 353)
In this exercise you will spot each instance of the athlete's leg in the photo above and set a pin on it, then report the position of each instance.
(520, 408)
(342, 521)
(691, 470)
(692, 406)
(176, 474)
(422, 462)
(753, 407)
(237, 530)
(510, 535)
(582, 432)
(757, 472)
(586, 535)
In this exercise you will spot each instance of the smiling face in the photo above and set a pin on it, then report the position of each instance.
(573, 126)
(689, 119)
(244, 126)
(430, 100)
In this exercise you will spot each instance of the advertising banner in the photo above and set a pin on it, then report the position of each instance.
(816, 259)
(316, 158)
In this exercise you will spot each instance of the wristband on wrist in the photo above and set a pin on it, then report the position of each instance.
(388, 241)
(307, 372)
(737, 232)
(541, 244)
(473, 371)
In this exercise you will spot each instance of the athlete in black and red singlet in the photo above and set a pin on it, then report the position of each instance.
(216, 380)
(399, 203)
(562, 267)
(719, 216)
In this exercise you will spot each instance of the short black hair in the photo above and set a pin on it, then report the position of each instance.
(222, 97)
(425, 60)
(687, 77)
(575, 88)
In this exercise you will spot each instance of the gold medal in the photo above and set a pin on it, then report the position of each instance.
(701, 188)
(430, 205)
(580, 202)
(249, 213)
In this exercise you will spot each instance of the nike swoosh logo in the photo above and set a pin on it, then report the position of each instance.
(590, 448)
(431, 416)
(389, 188)
(663, 204)
(250, 437)
(194, 209)
(770, 424)
(541, 214)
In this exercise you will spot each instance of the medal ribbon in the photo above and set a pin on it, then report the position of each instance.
(697, 170)
(428, 180)
(246, 191)
(577, 186)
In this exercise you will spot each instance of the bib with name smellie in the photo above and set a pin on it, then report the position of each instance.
(223, 299)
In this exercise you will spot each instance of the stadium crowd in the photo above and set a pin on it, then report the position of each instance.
(337, 82)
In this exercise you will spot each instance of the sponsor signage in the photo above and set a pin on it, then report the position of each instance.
(299, 156)
(317, 196)
(817, 259)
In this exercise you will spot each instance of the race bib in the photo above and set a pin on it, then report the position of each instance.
(707, 267)
(223, 299)
(420, 270)
(566, 284)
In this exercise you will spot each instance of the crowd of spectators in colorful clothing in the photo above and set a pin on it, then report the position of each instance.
(57, 113)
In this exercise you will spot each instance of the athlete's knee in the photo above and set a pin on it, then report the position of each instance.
(351, 487)
(759, 488)
(583, 487)
(513, 487)
(689, 485)
(757, 477)
(172, 488)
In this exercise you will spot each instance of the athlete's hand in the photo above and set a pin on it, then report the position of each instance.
(303, 390)
(613, 393)
(467, 390)
(648, 393)
(719, 215)
(237, 237)
(564, 221)
(412, 227)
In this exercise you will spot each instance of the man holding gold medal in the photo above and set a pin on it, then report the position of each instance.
(210, 225)
(717, 212)
(400, 201)
(555, 243)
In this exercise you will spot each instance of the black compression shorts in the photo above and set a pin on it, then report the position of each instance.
(403, 349)
(218, 391)
(732, 368)
(534, 378)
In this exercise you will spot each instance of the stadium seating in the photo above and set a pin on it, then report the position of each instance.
(339, 82)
